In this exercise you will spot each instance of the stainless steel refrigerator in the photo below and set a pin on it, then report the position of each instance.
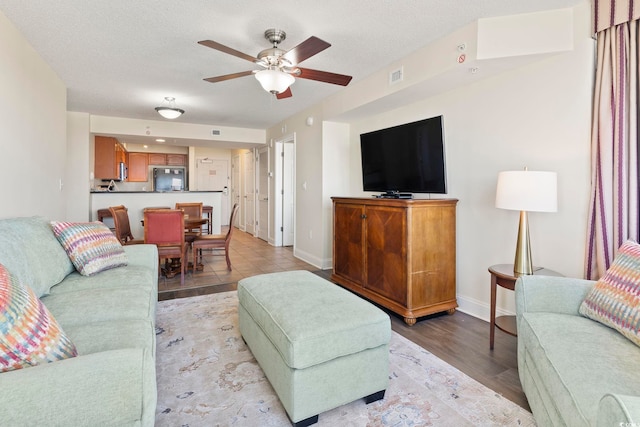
(169, 179)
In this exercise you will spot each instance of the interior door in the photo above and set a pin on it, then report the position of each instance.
(263, 194)
(235, 189)
(249, 193)
(288, 203)
(213, 175)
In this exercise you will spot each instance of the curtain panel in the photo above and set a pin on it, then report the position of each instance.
(614, 211)
(609, 13)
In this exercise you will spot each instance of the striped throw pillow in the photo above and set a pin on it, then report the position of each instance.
(29, 335)
(91, 246)
(615, 299)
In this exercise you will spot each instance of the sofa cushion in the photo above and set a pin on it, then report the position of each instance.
(615, 299)
(576, 360)
(32, 253)
(91, 246)
(29, 333)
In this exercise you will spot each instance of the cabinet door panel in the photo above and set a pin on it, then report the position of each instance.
(386, 252)
(348, 258)
(138, 167)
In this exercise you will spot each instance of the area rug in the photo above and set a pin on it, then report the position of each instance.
(208, 377)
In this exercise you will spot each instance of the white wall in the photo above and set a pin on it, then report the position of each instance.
(33, 123)
(535, 115)
(77, 180)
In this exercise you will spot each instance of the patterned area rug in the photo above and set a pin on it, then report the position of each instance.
(208, 377)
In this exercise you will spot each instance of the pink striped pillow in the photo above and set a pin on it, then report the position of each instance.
(91, 246)
(29, 334)
(615, 299)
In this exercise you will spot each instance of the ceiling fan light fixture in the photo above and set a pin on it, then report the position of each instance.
(170, 111)
(274, 81)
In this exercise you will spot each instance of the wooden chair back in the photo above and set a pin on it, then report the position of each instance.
(120, 217)
(193, 210)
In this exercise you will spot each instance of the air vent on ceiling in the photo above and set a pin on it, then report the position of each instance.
(396, 76)
(215, 132)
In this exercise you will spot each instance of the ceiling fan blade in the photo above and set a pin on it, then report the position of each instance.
(226, 49)
(306, 50)
(286, 94)
(324, 76)
(229, 76)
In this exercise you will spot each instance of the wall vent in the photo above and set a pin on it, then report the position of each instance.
(215, 132)
(396, 75)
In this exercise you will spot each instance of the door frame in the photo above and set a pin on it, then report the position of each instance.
(279, 196)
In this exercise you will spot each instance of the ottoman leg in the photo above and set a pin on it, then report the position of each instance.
(374, 397)
(306, 422)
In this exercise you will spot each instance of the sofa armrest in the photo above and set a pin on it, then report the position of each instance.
(108, 388)
(550, 294)
(618, 410)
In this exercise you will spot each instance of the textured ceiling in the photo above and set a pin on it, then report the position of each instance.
(121, 57)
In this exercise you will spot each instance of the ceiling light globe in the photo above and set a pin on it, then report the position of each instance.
(169, 113)
(274, 81)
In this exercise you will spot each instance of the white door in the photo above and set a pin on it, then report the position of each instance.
(284, 204)
(249, 193)
(213, 175)
(235, 189)
(263, 193)
(288, 206)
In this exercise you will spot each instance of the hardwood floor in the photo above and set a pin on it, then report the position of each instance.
(459, 339)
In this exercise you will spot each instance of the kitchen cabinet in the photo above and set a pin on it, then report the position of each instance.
(157, 159)
(108, 154)
(398, 253)
(163, 159)
(176, 160)
(138, 165)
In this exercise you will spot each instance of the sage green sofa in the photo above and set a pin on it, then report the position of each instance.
(110, 317)
(574, 370)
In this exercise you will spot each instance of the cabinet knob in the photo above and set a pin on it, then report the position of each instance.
(363, 216)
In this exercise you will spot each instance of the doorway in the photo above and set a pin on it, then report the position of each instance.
(262, 193)
(235, 189)
(284, 205)
(213, 175)
(249, 192)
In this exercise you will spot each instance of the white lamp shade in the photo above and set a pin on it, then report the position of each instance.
(274, 81)
(532, 191)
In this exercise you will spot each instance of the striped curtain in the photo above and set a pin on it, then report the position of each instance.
(614, 210)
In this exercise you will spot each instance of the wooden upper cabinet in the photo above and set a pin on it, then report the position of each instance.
(176, 160)
(157, 159)
(164, 159)
(138, 165)
(108, 154)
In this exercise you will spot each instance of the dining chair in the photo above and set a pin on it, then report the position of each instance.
(165, 229)
(217, 242)
(120, 217)
(193, 210)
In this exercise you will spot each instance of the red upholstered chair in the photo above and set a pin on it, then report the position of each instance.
(165, 229)
(123, 229)
(216, 242)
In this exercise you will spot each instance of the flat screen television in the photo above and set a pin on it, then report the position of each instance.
(409, 158)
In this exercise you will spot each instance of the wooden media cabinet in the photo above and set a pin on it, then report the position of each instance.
(398, 253)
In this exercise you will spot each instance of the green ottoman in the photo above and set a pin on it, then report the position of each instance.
(319, 345)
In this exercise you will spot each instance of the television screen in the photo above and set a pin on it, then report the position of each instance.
(406, 158)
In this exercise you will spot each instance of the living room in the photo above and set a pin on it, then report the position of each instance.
(534, 112)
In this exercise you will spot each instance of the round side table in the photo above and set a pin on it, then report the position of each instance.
(502, 275)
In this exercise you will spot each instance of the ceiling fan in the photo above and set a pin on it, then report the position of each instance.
(280, 67)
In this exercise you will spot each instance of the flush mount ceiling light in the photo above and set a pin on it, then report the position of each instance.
(274, 81)
(168, 109)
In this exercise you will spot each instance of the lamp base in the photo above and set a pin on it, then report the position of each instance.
(522, 263)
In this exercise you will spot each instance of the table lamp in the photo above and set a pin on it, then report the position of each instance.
(526, 191)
